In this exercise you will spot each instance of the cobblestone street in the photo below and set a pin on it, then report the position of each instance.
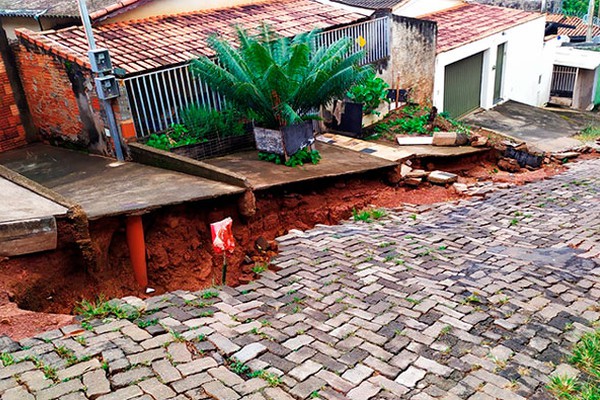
(477, 300)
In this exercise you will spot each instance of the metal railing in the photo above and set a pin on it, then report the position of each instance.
(157, 97)
(563, 81)
(372, 37)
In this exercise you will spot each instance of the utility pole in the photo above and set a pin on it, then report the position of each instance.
(590, 28)
(101, 79)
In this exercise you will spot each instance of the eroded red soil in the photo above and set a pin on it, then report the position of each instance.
(179, 246)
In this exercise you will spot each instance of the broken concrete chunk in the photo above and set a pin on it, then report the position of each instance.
(566, 155)
(442, 178)
(405, 170)
(509, 164)
(460, 187)
(414, 140)
(413, 181)
(449, 139)
(417, 173)
(479, 141)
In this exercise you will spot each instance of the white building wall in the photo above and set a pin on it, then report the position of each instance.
(523, 66)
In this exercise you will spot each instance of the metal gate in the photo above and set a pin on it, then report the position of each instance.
(157, 97)
(563, 81)
(462, 86)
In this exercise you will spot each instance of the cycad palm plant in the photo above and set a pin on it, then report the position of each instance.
(280, 81)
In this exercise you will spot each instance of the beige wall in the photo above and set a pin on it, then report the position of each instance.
(165, 7)
(412, 61)
(11, 23)
(584, 89)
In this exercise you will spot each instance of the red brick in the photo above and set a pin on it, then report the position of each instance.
(12, 134)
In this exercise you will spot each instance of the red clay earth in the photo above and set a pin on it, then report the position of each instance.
(179, 248)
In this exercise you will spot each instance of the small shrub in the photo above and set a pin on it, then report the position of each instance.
(367, 215)
(209, 294)
(301, 157)
(372, 92)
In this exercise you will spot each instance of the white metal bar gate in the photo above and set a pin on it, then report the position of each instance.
(563, 81)
(157, 97)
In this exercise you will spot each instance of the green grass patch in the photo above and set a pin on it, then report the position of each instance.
(589, 134)
(586, 358)
(101, 308)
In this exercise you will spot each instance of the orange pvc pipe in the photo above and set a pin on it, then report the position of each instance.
(137, 249)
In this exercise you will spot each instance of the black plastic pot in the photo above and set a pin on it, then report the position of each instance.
(351, 120)
(285, 141)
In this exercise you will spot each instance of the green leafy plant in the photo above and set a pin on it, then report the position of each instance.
(302, 157)
(259, 268)
(238, 367)
(7, 359)
(271, 378)
(145, 323)
(280, 81)
(372, 92)
(199, 124)
(209, 294)
(367, 215)
(299, 158)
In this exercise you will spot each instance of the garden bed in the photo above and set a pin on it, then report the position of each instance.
(216, 147)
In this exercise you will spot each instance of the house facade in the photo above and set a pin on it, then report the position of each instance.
(486, 55)
(150, 57)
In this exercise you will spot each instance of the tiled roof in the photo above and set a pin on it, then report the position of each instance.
(373, 4)
(470, 22)
(63, 8)
(580, 25)
(155, 42)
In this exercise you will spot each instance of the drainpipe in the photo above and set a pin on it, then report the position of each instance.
(37, 18)
(137, 249)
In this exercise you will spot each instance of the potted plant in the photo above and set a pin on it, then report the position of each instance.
(362, 103)
(281, 83)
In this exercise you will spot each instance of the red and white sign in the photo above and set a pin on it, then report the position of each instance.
(222, 236)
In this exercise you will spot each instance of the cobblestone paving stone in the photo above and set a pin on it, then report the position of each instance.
(472, 300)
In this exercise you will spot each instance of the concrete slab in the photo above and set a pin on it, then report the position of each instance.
(547, 129)
(105, 188)
(396, 154)
(27, 220)
(20, 204)
(335, 162)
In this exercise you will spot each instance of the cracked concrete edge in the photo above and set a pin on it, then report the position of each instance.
(75, 212)
(37, 188)
(147, 155)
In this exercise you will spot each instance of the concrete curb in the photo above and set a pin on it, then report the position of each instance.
(147, 155)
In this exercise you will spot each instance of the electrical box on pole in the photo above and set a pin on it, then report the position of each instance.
(107, 87)
(100, 61)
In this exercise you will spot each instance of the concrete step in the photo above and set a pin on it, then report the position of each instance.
(28, 236)
(27, 220)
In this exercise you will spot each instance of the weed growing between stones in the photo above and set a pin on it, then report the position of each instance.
(586, 358)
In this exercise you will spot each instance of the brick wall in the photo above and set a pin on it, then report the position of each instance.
(12, 133)
(63, 104)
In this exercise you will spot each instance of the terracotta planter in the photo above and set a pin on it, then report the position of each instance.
(285, 141)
